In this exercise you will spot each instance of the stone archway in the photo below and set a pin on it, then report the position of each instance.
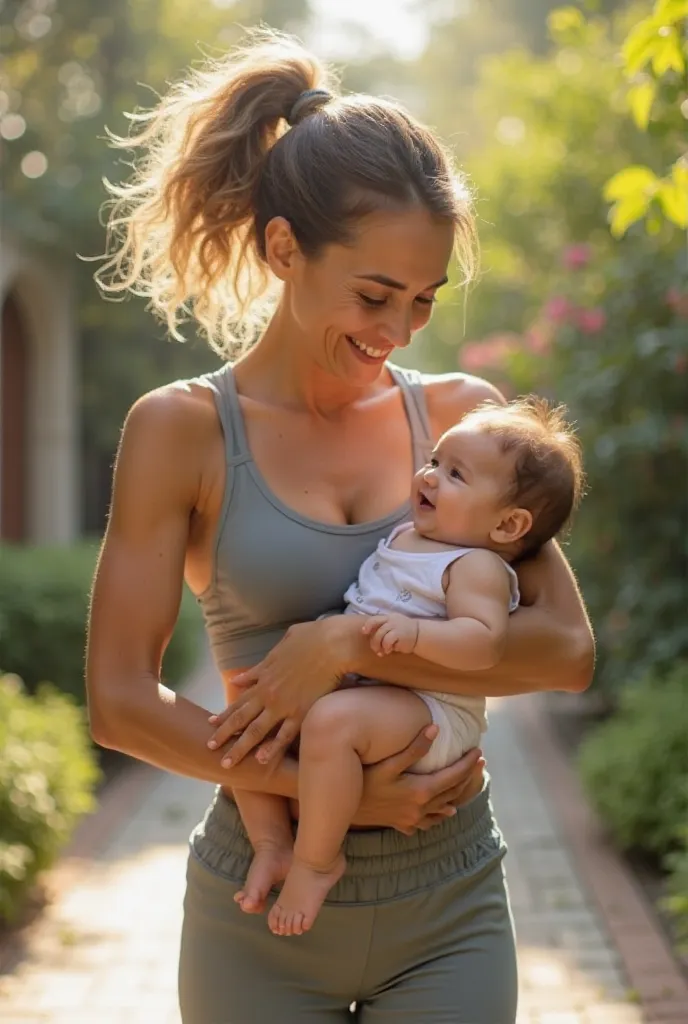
(39, 490)
(14, 423)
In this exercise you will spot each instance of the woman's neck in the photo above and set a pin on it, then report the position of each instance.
(280, 369)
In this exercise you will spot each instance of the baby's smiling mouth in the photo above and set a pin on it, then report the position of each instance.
(424, 501)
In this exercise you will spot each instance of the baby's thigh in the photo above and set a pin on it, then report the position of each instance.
(376, 720)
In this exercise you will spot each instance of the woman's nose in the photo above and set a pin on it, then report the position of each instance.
(397, 332)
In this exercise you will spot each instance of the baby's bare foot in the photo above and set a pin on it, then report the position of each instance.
(269, 866)
(303, 895)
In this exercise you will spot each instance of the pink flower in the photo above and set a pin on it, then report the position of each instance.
(489, 353)
(474, 356)
(537, 340)
(678, 301)
(591, 321)
(558, 309)
(575, 257)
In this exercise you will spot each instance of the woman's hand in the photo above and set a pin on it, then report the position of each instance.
(395, 798)
(306, 664)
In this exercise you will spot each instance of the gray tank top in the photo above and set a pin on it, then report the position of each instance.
(272, 566)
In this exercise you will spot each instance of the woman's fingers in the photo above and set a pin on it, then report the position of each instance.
(454, 774)
(461, 792)
(401, 762)
(275, 749)
(235, 719)
(252, 735)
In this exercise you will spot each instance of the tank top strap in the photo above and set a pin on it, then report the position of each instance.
(221, 382)
(411, 384)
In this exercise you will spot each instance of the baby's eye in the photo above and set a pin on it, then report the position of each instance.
(433, 463)
(456, 474)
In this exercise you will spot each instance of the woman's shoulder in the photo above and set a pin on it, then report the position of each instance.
(175, 409)
(450, 396)
(175, 423)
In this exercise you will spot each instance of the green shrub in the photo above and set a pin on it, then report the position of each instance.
(676, 901)
(47, 776)
(634, 766)
(44, 596)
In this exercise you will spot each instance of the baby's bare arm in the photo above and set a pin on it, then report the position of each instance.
(474, 634)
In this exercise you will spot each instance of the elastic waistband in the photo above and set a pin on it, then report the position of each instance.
(381, 864)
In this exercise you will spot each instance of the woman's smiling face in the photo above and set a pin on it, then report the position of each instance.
(354, 305)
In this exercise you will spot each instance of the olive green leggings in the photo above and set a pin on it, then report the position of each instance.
(417, 931)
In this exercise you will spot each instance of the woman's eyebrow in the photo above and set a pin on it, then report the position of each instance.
(389, 282)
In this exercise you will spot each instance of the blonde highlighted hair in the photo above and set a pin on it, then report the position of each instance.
(217, 160)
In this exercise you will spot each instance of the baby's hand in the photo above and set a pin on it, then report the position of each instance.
(392, 632)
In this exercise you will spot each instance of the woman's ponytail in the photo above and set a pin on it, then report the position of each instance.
(181, 231)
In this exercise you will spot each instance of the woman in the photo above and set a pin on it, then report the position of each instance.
(265, 485)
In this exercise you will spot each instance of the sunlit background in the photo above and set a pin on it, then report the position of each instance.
(575, 143)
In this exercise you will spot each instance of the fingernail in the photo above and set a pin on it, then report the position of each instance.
(213, 718)
(451, 812)
(212, 744)
(226, 762)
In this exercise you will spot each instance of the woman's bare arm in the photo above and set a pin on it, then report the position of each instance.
(137, 593)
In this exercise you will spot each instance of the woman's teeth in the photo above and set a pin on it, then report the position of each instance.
(375, 353)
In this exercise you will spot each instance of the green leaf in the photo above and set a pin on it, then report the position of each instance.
(640, 45)
(629, 181)
(565, 22)
(626, 212)
(668, 56)
(679, 174)
(674, 202)
(669, 11)
(640, 100)
(564, 18)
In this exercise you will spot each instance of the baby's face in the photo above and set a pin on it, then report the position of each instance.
(458, 498)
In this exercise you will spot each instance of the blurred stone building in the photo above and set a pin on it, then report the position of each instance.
(39, 436)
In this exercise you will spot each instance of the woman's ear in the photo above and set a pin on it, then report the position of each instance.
(514, 524)
(281, 248)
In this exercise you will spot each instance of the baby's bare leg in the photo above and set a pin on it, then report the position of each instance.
(342, 732)
(268, 824)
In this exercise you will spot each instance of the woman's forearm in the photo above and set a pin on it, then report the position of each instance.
(155, 725)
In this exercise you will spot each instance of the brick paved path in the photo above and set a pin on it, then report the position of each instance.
(106, 951)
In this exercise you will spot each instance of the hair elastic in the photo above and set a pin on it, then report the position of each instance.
(302, 100)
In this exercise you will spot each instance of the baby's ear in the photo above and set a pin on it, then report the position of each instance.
(514, 525)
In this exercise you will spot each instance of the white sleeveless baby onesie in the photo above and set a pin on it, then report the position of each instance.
(410, 582)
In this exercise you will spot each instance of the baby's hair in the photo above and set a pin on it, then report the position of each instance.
(548, 477)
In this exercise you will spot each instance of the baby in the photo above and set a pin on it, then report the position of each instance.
(499, 485)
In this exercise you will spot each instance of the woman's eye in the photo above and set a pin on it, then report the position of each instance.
(425, 301)
(369, 301)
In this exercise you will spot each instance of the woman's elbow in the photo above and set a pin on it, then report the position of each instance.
(101, 726)
(106, 716)
(582, 662)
